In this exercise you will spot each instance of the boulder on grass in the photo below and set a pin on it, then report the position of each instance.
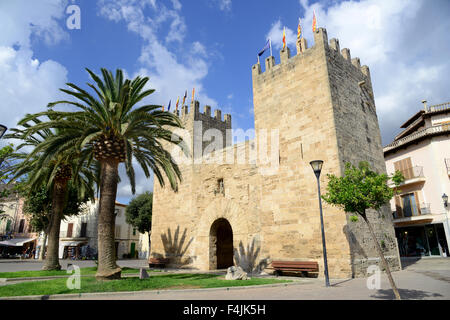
(236, 273)
(143, 274)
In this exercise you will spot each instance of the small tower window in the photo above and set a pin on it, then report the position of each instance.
(220, 189)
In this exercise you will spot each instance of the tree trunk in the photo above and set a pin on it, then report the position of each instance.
(149, 243)
(380, 252)
(107, 267)
(42, 252)
(58, 198)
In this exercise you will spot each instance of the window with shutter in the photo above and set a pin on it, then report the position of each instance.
(405, 167)
(117, 233)
(69, 230)
(416, 196)
(398, 207)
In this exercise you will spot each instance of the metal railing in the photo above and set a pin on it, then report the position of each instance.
(418, 135)
(412, 173)
(425, 208)
(447, 164)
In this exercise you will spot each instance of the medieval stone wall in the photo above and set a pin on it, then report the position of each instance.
(309, 106)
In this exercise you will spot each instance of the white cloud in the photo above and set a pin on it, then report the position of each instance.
(26, 84)
(225, 5)
(171, 72)
(176, 4)
(404, 43)
(20, 20)
(276, 36)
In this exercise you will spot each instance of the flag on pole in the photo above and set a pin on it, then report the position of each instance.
(314, 22)
(299, 30)
(193, 94)
(178, 100)
(162, 108)
(284, 38)
(184, 98)
(267, 46)
(168, 108)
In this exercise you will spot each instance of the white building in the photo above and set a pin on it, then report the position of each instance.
(78, 234)
(422, 153)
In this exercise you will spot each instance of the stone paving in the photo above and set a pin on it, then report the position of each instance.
(424, 279)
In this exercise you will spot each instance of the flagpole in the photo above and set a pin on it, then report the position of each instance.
(270, 45)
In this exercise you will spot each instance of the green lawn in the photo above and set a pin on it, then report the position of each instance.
(42, 273)
(90, 284)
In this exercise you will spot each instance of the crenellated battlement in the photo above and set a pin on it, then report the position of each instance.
(193, 113)
(320, 43)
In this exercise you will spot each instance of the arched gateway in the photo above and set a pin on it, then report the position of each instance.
(220, 245)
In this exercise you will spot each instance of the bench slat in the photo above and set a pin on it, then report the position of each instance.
(308, 266)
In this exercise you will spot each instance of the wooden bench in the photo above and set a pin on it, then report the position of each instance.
(295, 266)
(158, 262)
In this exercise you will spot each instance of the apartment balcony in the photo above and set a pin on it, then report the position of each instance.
(414, 216)
(69, 236)
(412, 175)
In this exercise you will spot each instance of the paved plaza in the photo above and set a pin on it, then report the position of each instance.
(427, 278)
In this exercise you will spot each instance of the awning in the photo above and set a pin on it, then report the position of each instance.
(16, 242)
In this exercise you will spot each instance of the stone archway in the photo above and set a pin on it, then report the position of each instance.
(220, 245)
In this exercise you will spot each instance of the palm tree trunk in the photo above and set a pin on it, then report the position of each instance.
(107, 267)
(380, 252)
(42, 252)
(59, 195)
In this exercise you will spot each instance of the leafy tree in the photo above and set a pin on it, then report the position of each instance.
(110, 127)
(43, 166)
(38, 207)
(361, 189)
(5, 154)
(139, 212)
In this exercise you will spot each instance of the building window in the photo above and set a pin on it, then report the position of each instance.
(8, 225)
(410, 207)
(117, 233)
(220, 189)
(21, 225)
(69, 230)
(134, 231)
(117, 212)
(83, 230)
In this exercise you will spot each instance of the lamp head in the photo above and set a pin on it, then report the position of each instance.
(317, 167)
(445, 199)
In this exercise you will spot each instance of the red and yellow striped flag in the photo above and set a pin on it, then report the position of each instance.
(184, 98)
(176, 106)
(284, 38)
(314, 22)
(163, 108)
(299, 30)
(193, 94)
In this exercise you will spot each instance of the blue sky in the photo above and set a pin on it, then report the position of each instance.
(212, 44)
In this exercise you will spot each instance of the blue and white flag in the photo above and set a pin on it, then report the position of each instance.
(267, 46)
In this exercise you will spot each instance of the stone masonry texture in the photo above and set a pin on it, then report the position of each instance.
(321, 103)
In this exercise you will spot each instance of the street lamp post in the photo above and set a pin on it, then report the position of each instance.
(2, 130)
(317, 167)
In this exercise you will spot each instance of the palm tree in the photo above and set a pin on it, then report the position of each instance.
(110, 126)
(56, 171)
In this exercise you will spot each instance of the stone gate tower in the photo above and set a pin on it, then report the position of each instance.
(321, 103)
